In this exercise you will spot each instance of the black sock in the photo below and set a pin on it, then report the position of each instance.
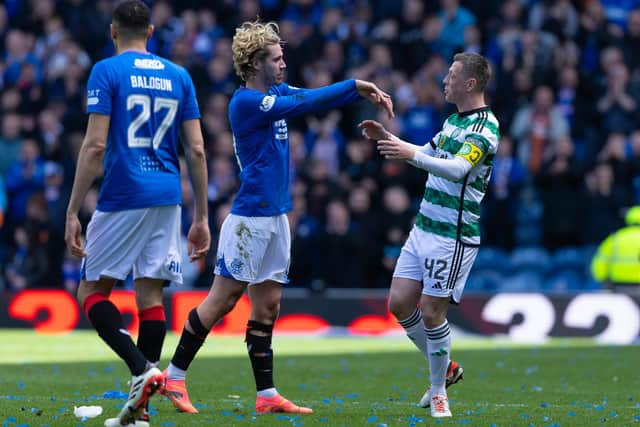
(189, 343)
(153, 328)
(260, 353)
(107, 321)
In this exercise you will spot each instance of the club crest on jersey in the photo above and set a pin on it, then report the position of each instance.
(236, 266)
(148, 64)
(267, 103)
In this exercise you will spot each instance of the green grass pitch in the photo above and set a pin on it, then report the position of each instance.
(348, 381)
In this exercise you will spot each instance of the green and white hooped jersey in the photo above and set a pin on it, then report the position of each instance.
(452, 208)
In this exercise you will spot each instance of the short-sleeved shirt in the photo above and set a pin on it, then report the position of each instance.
(147, 98)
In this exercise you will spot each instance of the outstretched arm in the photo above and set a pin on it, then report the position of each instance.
(88, 168)
(291, 102)
(393, 147)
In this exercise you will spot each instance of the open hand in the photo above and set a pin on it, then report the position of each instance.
(72, 236)
(199, 240)
(372, 129)
(396, 149)
(376, 96)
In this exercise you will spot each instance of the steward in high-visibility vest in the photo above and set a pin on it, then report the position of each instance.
(617, 261)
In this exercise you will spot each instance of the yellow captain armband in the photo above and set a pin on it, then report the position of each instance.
(471, 152)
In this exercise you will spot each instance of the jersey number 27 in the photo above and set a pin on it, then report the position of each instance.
(159, 103)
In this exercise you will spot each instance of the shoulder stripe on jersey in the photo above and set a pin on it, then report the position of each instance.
(477, 127)
(465, 122)
(440, 198)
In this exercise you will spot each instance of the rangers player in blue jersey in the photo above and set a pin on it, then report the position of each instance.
(138, 104)
(254, 248)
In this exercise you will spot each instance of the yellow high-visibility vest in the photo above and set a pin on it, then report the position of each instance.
(617, 260)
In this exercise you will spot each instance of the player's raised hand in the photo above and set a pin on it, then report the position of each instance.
(372, 129)
(376, 96)
(72, 236)
(199, 240)
(396, 149)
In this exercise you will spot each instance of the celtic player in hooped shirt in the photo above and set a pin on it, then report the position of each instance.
(436, 259)
(254, 244)
(138, 104)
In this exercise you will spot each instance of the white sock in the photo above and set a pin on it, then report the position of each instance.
(414, 327)
(439, 347)
(268, 392)
(175, 373)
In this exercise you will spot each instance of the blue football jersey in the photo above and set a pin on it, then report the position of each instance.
(148, 98)
(261, 140)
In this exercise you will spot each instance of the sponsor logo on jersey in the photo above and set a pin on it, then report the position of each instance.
(175, 267)
(92, 96)
(148, 64)
(267, 103)
(282, 131)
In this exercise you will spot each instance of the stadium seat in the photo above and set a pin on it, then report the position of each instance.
(565, 280)
(483, 281)
(571, 258)
(491, 259)
(532, 258)
(523, 281)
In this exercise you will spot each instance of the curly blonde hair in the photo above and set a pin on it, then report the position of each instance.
(249, 43)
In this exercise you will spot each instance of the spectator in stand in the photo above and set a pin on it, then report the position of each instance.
(338, 242)
(34, 254)
(618, 109)
(632, 40)
(24, 178)
(423, 119)
(3, 210)
(455, 19)
(605, 200)
(10, 141)
(559, 179)
(535, 126)
(500, 204)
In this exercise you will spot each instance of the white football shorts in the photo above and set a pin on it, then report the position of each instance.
(254, 249)
(145, 240)
(440, 263)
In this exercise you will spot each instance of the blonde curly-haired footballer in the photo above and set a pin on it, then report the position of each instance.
(250, 43)
(254, 246)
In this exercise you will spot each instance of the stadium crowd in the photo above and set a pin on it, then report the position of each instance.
(566, 90)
